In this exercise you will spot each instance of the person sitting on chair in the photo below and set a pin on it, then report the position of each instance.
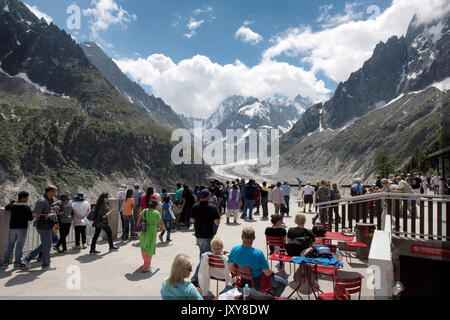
(246, 255)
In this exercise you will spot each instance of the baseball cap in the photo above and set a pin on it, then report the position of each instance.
(204, 194)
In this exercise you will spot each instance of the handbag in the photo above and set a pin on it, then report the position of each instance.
(284, 209)
(141, 226)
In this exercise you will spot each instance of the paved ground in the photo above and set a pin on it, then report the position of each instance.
(117, 275)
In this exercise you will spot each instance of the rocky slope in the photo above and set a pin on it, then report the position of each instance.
(155, 108)
(64, 123)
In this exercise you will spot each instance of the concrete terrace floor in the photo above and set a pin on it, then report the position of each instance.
(118, 275)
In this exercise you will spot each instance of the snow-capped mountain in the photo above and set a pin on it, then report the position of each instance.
(390, 104)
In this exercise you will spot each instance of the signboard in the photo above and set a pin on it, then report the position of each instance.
(430, 251)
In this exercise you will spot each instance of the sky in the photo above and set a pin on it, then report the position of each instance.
(195, 53)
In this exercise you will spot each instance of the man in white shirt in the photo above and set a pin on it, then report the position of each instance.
(435, 182)
(308, 196)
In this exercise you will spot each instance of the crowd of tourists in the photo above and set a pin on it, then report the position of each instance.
(149, 216)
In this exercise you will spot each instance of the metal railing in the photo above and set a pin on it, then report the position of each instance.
(413, 215)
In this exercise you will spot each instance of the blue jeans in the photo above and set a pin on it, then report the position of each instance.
(265, 208)
(168, 224)
(16, 237)
(128, 221)
(278, 284)
(44, 247)
(205, 246)
(187, 217)
(287, 199)
(249, 204)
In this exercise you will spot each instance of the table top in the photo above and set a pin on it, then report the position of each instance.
(337, 236)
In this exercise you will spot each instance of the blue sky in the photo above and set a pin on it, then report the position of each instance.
(271, 39)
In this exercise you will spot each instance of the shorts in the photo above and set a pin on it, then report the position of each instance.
(309, 199)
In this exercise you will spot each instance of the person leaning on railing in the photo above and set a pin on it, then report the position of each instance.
(403, 187)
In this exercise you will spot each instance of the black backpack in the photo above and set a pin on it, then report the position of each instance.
(319, 231)
(297, 246)
(354, 191)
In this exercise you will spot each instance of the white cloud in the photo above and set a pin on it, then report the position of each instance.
(204, 10)
(196, 86)
(192, 26)
(106, 13)
(329, 20)
(247, 35)
(39, 14)
(341, 50)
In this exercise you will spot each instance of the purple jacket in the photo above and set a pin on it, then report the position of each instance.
(234, 196)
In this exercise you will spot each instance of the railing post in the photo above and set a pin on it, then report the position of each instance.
(344, 215)
(422, 218)
(413, 217)
(405, 216)
(430, 220)
(439, 219)
(397, 214)
(377, 213)
(447, 220)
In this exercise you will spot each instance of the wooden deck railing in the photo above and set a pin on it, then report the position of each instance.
(427, 218)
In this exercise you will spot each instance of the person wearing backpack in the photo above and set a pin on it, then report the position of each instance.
(81, 209)
(102, 212)
(168, 217)
(356, 189)
(323, 194)
(21, 215)
(299, 238)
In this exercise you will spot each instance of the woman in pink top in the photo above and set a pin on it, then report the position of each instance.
(147, 198)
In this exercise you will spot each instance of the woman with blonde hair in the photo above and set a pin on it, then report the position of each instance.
(206, 272)
(175, 287)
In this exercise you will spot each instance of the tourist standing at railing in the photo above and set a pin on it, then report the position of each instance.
(386, 186)
(21, 215)
(45, 214)
(323, 194)
(137, 196)
(435, 181)
(403, 187)
(415, 183)
(81, 209)
(334, 196)
(128, 216)
(65, 216)
(152, 219)
(102, 212)
(442, 187)
(121, 195)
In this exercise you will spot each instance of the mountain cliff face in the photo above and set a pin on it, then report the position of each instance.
(338, 139)
(153, 107)
(398, 66)
(64, 123)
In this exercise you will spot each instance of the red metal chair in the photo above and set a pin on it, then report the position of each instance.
(216, 262)
(274, 242)
(355, 245)
(244, 272)
(343, 289)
